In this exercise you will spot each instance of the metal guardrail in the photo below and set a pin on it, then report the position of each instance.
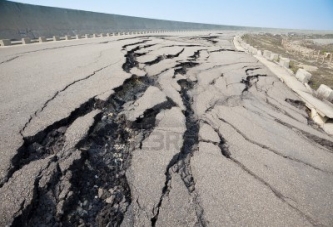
(8, 42)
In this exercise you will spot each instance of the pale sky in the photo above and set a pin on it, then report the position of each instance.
(294, 14)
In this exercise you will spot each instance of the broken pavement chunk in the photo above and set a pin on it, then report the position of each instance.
(152, 97)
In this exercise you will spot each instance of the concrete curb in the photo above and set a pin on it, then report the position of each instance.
(321, 110)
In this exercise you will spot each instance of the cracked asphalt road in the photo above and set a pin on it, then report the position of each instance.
(168, 130)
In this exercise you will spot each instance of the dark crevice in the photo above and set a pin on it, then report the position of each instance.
(162, 57)
(296, 103)
(224, 50)
(149, 45)
(153, 62)
(248, 80)
(247, 71)
(131, 61)
(196, 55)
(137, 37)
(99, 194)
(181, 68)
(131, 56)
(223, 145)
(321, 141)
(109, 146)
(180, 163)
(134, 44)
(190, 45)
(210, 39)
(190, 137)
(171, 56)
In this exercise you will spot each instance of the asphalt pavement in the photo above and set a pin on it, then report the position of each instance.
(156, 130)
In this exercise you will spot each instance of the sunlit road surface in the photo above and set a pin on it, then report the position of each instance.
(169, 130)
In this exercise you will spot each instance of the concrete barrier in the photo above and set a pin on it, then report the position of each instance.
(259, 53)
(267, 54)
(56, 38)
(5, 42)
(303, 76)
(284, 62)
(26, 40)
(68, 37)
(254, 50)
(274, 57)
(77, 37)
(42, 39)
(86, 36)
(325, 92)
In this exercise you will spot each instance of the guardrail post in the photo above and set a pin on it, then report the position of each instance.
(26, 40)
(5, 42)
(42, 39)
(56, 38)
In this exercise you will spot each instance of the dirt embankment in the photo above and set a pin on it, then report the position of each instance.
(304, 52)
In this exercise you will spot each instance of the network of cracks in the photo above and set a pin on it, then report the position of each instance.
(93, 190)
